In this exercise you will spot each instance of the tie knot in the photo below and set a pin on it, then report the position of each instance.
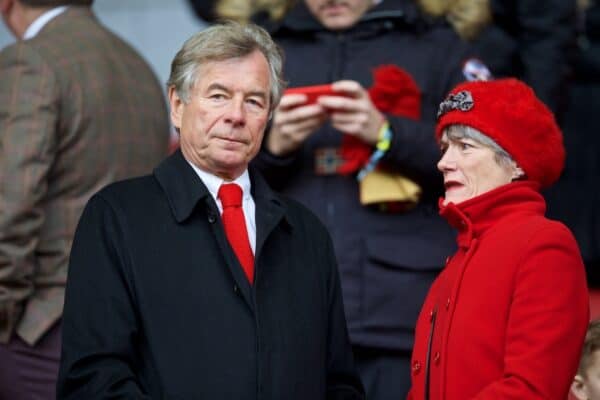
(230, 195)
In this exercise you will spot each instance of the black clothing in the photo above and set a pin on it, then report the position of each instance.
(531, 40)
(158, 307)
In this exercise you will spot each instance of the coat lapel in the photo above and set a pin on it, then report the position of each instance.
(185, 191)
(270, 211)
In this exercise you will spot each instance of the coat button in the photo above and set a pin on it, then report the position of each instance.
(436, 357)
(448, 303)
(212, 218)
(236, 288)
(431, 316)
(416, 367)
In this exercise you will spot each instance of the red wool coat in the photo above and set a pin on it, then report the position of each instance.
(507, 317)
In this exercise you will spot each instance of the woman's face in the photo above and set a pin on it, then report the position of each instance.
(469, 169)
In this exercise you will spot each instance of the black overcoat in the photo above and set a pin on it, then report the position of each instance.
(158, 307)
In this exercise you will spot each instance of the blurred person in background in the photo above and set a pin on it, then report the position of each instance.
(263, 12)
(575, 198)
(528, 39)
(79, 109)
(507, 316)
(363, 159)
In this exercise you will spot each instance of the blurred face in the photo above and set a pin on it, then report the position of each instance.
(222, 125)
(469, 169)
(338, 14)
(587, 386)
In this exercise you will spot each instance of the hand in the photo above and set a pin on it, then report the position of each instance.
(293, 122)
(353, 113)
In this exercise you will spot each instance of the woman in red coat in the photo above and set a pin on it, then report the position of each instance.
(507, 316)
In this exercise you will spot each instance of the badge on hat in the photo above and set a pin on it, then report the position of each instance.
(462, 101)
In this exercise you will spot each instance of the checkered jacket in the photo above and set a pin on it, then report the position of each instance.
(78, 109)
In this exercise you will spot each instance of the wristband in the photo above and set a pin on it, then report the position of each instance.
(381, 147)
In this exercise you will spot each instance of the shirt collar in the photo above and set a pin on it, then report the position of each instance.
(41, 21)
(213, 182)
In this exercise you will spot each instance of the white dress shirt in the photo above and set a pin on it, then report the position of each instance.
(41, 21)
(213, 183)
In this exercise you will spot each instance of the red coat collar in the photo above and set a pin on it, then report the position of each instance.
(474, 216)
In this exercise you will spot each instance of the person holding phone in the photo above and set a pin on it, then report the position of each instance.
(387, 256)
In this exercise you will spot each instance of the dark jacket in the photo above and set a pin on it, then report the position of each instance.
(531, 40)
(158, 307)
(574, 199)
(387, 261)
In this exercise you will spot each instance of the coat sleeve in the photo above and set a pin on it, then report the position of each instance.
(100, 328)
(343, 382)
(28, 117)
(547, 321)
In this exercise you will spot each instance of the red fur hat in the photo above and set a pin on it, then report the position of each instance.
(508, 111)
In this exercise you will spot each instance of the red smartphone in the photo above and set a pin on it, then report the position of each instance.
(314, 92)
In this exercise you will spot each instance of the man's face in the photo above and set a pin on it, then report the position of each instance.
(338, 15)
(222, 125)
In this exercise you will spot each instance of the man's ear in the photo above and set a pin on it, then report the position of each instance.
(578, 388)
(5, 6)
(176, 105)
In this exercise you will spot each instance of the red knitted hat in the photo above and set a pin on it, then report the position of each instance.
(508, 111)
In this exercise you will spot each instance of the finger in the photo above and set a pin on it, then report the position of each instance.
(299, 113)
(302, 128)
(292, 100)
(349, 118)
(342, 104)
(348, 87)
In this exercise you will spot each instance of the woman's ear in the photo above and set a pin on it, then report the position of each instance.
(518, 173)
(578, 388)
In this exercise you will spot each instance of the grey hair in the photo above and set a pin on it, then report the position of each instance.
(458, 131)
(222, 42)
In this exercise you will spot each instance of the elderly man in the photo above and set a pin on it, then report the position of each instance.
(79, 108)
(199, 282)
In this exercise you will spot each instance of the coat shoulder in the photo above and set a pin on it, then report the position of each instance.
(131, 193)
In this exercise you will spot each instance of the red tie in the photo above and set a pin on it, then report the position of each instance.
(235, 226)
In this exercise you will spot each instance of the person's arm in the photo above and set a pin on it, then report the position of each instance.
(28, 119)
(100, 330)
(292, 123)
(547, 321)
(343, 382)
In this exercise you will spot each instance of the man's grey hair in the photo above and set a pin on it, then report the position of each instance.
(222, 42)
(458, 131)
